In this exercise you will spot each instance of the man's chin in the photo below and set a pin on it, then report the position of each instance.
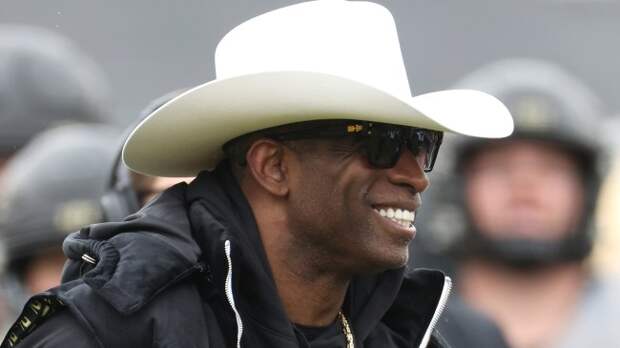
(386, 263)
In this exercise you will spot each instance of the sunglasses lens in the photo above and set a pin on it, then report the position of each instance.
(384, 148)
(383, 152)
(425, 146)
(421, 155)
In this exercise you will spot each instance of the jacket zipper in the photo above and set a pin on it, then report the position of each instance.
(229, 294)
(441, 305)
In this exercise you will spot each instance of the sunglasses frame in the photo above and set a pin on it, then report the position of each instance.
(371, 133)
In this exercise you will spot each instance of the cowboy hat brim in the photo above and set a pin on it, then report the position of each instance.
(186, 135)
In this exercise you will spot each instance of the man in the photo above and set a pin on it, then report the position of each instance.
(528, 209)
(52, 187)
(296, 232)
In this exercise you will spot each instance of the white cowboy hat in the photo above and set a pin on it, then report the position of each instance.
(325, 59)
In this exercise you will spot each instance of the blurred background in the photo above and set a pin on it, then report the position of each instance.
(133, 52)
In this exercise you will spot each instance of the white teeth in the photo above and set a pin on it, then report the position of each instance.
(409, 215)
(401, 216)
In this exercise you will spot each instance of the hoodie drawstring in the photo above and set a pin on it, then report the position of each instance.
(229, 294)
(441, 305)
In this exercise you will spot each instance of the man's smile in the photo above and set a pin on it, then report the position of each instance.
(401, 216)
(398, 217)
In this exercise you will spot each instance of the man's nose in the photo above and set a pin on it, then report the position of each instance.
(408, 171)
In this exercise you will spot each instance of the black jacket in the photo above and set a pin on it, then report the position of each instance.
(189, 270)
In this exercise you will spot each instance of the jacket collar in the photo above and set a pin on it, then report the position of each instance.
(153, 246)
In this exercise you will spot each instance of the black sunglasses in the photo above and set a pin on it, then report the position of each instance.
(382, 143)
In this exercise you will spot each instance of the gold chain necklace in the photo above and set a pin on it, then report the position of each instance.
(346, 329)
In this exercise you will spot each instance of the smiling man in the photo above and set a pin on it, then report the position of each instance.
(312, 156)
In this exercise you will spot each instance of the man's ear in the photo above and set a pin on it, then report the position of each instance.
(266, 164)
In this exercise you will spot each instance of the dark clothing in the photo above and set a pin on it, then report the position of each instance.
(311, 333)
(189, 270)
(329, 336)
(66, 330)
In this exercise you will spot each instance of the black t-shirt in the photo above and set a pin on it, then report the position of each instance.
(324, 336)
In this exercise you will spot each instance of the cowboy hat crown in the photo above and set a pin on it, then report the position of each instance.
(355, 40)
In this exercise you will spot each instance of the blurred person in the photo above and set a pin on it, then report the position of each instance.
(518, 213)
(51, 188)
(128, 191)
(312, 156)
(44, 81)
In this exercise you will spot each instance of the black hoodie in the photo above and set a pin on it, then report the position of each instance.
(189, 270)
